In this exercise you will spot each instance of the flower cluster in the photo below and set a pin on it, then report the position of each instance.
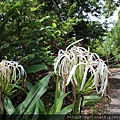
(75, 63)
(11, 70)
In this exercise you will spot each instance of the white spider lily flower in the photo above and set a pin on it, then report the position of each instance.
(11, 70)
(76, 62)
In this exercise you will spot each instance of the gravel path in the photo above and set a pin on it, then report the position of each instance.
(114, 106)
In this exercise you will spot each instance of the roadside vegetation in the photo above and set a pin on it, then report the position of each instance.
(54, 58)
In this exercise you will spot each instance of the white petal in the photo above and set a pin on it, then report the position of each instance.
(56, 63)
(84, 77)
(75, 80)
(73, 44)
(71, 74)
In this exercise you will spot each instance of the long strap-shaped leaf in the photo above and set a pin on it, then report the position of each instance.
(32, 97)
(61, 114)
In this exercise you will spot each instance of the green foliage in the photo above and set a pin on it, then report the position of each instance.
(42, 27)
(114, 34)
(33, 105)
(58, 102)
(36, 92)
(21, 31)
(110, 7)
(99, 47)
(28, 58)
(6, 87)
(8, 105)
(35, 68)
(91, 100)
(29, 105)
(112, 41)
(32, 31)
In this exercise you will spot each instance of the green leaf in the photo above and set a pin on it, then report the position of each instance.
(59, 97)
(28, 58)
(65, 110)
(28, 85)
(32, 97)
(89, 82)
(8, 106)
(41, 107)
(20, 87)
(61, 114)
(87, 90)
(92, 97)
(35, 68)
(19, 41)
(32, 9)
(54, 25)
(35, 8)
(59, 102)
(44, 18)
(6, 45)
(90, 102)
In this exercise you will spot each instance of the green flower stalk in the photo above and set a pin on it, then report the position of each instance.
(79, 66)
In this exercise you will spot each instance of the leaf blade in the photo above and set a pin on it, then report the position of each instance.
(33, 96)
(35, 68)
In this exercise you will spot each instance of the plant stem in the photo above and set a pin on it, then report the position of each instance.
(1, 103)
(82, 98)
(78, 104)
(56, 94)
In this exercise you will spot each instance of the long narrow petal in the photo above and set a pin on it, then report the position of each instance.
(73, 44)
(71, 74)
(84, 77)
(56, 63)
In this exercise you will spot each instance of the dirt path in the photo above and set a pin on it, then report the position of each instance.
(114, 106)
